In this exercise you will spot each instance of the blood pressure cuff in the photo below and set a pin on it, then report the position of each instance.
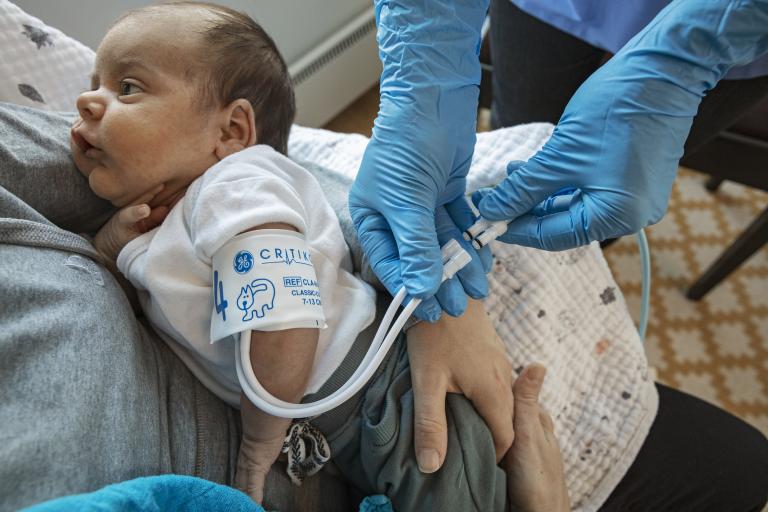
(264, 280)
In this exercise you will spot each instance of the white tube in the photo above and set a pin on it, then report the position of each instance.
(276, 407)
(454, 258)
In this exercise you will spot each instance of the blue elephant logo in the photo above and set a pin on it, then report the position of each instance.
(256, 299)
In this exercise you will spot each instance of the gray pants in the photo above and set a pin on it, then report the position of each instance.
(91, 396)
(371, 439)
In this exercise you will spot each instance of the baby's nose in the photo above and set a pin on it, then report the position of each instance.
(90, 105)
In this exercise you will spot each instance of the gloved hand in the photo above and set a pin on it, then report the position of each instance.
(420, 151)
(609, 166)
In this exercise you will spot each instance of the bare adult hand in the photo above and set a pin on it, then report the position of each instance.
(534, 464)
(459, 355)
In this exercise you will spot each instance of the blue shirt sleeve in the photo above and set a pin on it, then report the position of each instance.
(609, 24)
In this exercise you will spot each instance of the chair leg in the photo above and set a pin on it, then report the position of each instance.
(752, 239)
(713, 183)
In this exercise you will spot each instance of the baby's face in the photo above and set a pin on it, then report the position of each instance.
(139, 126)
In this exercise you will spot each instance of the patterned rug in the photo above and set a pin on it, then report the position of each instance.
(717, 348)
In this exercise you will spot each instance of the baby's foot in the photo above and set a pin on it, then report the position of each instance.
(534, 464)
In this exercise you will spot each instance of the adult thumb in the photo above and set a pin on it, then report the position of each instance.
(430, 427)
(526, 392)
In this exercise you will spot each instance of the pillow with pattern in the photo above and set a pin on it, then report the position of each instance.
(40, 66)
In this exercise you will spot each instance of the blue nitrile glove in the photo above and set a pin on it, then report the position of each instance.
(421, 148)
(609, 167)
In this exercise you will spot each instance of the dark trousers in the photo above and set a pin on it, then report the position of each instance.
(696, 457)
(537, 68)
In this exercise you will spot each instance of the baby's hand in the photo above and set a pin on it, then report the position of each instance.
(262, 443)
(127, 224)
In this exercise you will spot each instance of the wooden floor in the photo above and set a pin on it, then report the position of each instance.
(359, 116)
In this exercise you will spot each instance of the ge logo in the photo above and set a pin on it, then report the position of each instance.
(243, 262)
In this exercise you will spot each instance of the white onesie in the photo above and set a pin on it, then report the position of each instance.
(170, 266)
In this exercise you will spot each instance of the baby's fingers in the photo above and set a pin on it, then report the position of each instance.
(121, 229)
(250, 479)
(130, 215)
(155, 218)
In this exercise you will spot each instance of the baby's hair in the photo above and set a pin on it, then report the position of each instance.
(240, 60)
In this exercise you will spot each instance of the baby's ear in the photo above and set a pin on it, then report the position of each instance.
(238, 128)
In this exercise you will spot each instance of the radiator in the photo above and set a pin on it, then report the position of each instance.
(336, 72)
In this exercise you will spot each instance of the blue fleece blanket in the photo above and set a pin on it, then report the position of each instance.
(155, 493)
(172, 492)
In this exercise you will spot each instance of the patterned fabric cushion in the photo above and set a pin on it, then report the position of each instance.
(41, 66)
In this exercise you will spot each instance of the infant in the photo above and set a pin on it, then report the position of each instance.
(185, 129)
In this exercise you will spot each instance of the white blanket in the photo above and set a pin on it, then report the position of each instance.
(563, 310)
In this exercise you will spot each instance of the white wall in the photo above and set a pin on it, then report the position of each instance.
(296, 25)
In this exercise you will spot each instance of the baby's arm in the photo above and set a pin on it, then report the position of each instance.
(125, 225)
(282, 361)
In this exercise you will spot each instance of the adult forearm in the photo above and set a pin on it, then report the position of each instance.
(441, 36)
(693, 43)
(423, 139)
(429, 48)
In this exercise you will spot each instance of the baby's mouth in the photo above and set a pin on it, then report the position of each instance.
(86, 147)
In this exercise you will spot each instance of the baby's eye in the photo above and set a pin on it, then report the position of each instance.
(127, 88)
